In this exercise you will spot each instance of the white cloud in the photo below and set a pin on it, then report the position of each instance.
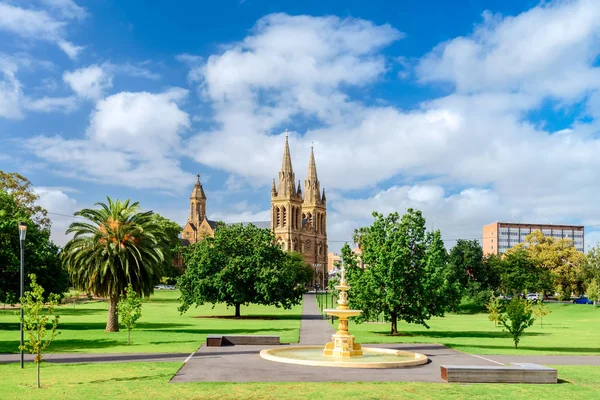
(36, 25)
(10, 90)
(61, 207)
(89, 82)
(52, 104)
(133, 140)
(66, 8)
(549, 50)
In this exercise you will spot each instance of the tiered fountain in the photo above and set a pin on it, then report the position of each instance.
(342, 351)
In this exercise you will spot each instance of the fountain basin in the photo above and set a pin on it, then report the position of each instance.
(342, 313)
(372, 357)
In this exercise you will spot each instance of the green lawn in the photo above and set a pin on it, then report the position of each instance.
(150, 381)
(161, 328)
(571, 329)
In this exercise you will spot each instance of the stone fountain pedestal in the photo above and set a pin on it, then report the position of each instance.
(342, 343)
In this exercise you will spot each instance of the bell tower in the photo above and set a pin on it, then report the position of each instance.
(286, 204)
(197, 204)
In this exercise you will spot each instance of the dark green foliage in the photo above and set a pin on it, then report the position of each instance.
(405, 275)
(171, 231)
(470, 274)
(41, 255)
(517, 318)
(242, 265)
(118, 245)
(520, 274)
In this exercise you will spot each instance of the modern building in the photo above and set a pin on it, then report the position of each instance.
(299, 220)
(501, 236)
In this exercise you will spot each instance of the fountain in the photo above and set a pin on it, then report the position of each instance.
(343, 351)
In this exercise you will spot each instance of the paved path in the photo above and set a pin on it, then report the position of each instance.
(313, 328)
(544, 360)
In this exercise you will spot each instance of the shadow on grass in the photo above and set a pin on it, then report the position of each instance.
(84, 326)
(547, 349)
(457, 334)
(203, 331)
(77, 311)
(296, 317)
(131, 379)
(57, 346)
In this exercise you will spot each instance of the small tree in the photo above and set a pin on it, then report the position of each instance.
(130, 309)
(35, 320)
(517, 318)
(593, 291)
(494, 308)
(540, 310)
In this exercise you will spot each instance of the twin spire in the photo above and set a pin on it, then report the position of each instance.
(287, 178)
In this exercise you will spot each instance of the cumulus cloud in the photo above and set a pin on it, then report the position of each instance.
(35, 24)
(132, 140)
(89, 82)
(62, 206)
(477, 138)
(10, 90)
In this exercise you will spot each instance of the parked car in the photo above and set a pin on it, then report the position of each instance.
(505, 297)
(533, 297)
(582, 300)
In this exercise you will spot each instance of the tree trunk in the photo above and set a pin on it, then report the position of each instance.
(394, 318)
(237, 310)
(128, 336)
(38, 370)
(112, 324)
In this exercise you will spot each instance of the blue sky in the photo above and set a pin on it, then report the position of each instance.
(473, 114)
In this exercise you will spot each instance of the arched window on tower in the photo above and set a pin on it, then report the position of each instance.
(277, 217)
(284, 216)
(292, 217)
(310, 218)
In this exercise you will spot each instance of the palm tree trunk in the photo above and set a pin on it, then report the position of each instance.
(112, 324)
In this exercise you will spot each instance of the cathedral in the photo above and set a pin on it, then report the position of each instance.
(298, 220)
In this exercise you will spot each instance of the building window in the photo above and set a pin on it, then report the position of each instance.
(492, 247)
(492, 241)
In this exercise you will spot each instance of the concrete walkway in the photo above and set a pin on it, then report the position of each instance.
(314, 329)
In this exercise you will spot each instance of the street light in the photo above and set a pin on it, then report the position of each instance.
(22, 233)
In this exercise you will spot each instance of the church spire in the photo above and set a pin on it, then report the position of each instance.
(312, 187)
(286, 163)
(198, 191)
(286, 175)
(312, 166)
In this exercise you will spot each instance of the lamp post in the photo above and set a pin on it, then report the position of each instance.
(22, 233)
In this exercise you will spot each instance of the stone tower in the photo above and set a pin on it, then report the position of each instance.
(198, 226)
(299, 223)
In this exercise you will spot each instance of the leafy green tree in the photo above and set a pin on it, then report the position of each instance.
(517, 318)
(470, 273)
(521, 274)
(405, 274)
(21, 190)
(36, 316)
(540, 310)
(41, 255)
(130, 309)
(559, 257)
(593, 291)
(591, 266)
(172, 231)
(118, 245)
(494, 308)
(240, 265)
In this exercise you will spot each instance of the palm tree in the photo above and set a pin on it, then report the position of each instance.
(118, 245)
